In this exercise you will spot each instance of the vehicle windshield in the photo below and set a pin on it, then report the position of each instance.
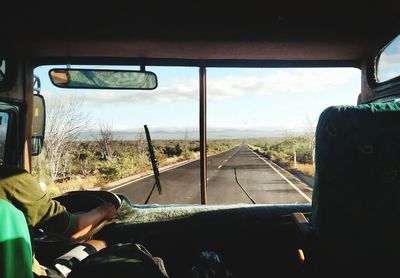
(260, 134)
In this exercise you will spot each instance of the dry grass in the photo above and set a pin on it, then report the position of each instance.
(77, 183)
(171, 160)
(306, 169)
(255, 148)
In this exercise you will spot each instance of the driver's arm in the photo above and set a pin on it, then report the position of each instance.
(24, 192)
(87, 221)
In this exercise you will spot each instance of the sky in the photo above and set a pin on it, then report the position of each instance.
(241, 100)
(389, 61)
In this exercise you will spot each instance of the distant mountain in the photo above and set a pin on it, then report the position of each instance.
(212, 133)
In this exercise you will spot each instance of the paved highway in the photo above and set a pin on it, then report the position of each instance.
(236, 176)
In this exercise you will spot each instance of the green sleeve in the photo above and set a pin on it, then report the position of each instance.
(22, 190)
(14, 239)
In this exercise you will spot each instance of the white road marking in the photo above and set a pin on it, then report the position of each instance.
(286, 171)
(282, 176)
(226, 160)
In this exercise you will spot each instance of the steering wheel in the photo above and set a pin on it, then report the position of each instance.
(79, 202)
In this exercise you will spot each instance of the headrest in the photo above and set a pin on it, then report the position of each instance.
(357, 182)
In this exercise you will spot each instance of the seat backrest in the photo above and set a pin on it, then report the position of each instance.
(15, 243)
(356, 197)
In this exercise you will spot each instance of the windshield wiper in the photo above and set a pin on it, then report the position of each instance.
(154, 165)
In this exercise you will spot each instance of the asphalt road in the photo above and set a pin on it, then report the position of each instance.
(236, 176)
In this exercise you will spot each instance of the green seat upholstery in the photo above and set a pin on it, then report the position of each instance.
(356, 197)
(15, 243)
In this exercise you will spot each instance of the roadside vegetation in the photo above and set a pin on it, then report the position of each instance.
(294, 153)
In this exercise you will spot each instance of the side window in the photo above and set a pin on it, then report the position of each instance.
(388, 62)
(3, 134)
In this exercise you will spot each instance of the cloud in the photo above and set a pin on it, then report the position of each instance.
(389, 62)
(175, 91)
(391, 54)
(292, 80)
(260, 82)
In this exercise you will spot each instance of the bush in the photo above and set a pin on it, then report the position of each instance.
(83, 162)
(282, 150)
(173, 151)
(115, 168)
(304, 155)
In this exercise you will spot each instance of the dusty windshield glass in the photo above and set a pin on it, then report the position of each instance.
(260, 134)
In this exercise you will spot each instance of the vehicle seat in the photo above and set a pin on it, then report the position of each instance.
(15, 243)
(356, 197)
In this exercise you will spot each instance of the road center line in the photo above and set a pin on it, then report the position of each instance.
(226, 160)
(162, 171)
(282, 176)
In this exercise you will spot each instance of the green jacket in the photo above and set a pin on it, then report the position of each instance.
(19, 188)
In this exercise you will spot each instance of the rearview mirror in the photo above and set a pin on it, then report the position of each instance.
(103, 79)
(38, 124)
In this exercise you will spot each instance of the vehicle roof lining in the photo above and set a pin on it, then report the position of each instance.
(211, 53)
(286, 30)
(228, 63)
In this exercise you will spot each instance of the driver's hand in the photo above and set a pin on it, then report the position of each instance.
(87, 221)
(108, 211)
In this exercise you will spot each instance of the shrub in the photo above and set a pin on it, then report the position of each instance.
(115, 168)
(282, 149)
(173, 151)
